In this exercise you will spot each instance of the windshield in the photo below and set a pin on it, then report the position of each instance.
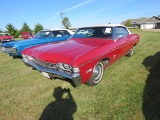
(43, 34)
(94, 32)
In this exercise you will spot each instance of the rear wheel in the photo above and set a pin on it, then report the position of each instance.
(130, 53)
(97, 74)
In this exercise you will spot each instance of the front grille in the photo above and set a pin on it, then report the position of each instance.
(45, 64)
(48, 65)
(8, 50)
(7, 39)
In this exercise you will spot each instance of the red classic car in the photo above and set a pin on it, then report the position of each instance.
(85, 55)
(27, 35)
(5, 37)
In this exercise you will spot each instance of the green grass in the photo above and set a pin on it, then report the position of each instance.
(129, 90)
(18, 38)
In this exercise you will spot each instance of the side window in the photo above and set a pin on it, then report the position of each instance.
(107, 33)
(57, 33)
(64, 32)
(120, 32)
(83, 33)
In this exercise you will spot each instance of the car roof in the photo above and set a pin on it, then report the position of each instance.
(106, 25)
(58, 29)
(54, 29)
(109, 25)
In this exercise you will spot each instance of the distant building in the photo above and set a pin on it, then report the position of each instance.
(145, 23)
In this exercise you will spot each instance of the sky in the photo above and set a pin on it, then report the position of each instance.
(80, 12)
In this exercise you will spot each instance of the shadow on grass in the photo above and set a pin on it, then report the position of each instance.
(151, 93)
(62, 108)
(17, 57)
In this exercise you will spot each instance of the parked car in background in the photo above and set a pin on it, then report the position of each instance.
(85, 55)
(64, 31)
(27, 35)
(5, 37)
(42, 37)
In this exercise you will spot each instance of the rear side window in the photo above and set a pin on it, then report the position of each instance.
(57, 33)
(64, 32)
(120, 32)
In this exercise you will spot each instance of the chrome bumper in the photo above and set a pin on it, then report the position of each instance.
(75, 77)
(9, 50)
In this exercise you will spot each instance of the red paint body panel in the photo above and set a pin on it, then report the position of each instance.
(84, 52)
(27, 35)
(72, 50)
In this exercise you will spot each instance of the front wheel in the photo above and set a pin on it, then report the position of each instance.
(97, 74)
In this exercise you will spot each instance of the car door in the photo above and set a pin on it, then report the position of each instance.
(120, 35)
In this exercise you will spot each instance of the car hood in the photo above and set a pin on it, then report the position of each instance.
(67, 52)
(24, 42)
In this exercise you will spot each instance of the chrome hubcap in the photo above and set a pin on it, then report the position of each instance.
(97, 73)
(131, 51)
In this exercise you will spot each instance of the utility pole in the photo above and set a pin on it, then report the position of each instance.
(61, 14)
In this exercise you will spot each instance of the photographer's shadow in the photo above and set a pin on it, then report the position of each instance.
(151, 93)
(62, 108)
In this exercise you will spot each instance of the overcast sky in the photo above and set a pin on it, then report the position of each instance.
(80, 12)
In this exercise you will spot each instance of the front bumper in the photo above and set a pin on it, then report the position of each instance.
(75, 77)
(7, 40)
(10, 50)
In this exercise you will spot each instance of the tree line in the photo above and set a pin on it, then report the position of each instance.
(16, 33)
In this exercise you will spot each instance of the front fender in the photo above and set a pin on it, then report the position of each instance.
(86, 69)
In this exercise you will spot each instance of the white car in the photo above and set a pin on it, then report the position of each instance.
(64, 31)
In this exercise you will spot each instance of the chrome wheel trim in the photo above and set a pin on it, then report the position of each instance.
(97, 72)
(131, 53)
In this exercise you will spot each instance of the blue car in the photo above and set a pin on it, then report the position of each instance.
(42, 37)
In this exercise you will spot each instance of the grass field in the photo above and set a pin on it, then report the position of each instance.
(129, 90)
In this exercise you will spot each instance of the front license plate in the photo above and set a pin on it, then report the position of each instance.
(45, 74)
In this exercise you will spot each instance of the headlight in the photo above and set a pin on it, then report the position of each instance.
(29, 58)
(76, 70)
(68, 67)
(18, 50)
(23, 55)
(65, 66)
(60, 65)
(14, 50)
(25, 59)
